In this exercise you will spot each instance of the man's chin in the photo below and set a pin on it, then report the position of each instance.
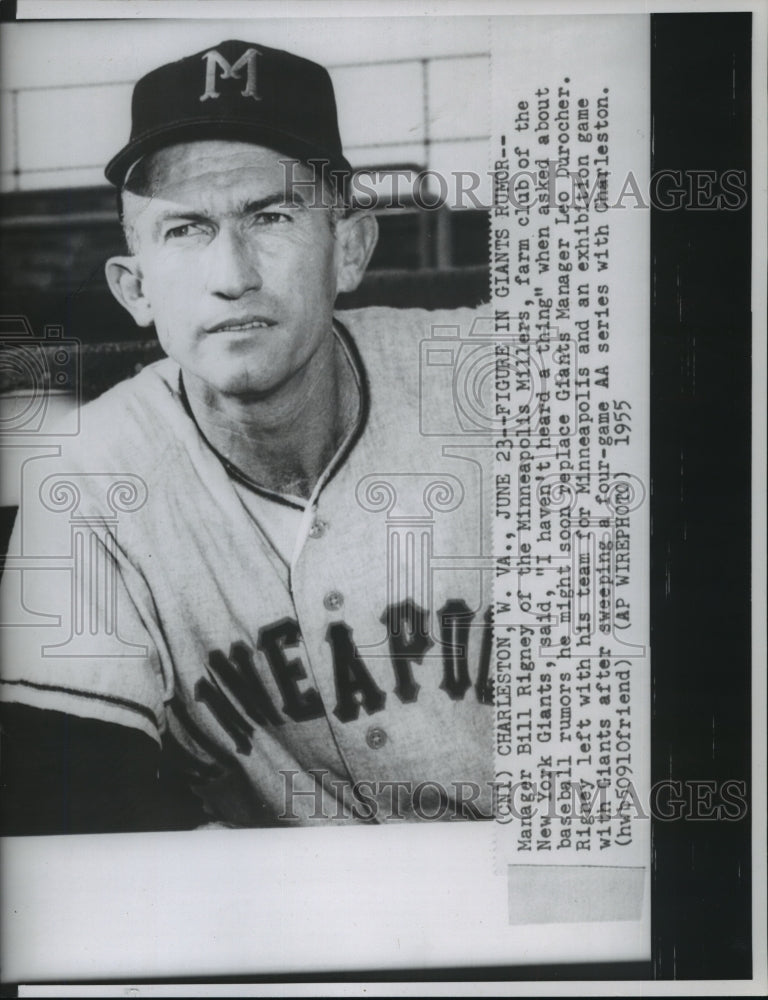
(242, 386)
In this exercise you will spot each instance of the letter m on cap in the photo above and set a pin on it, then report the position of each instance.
(246, 61)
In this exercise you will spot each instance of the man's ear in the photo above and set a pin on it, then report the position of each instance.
(126, 284)
(357, 235)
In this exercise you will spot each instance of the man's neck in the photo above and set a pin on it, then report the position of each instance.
(285, 440)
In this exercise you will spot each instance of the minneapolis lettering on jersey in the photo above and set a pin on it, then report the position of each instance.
(238, 699)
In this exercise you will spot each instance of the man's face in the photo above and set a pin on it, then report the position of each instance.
(240, 284)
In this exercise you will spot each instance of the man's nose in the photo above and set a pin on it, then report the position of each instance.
(232, 265)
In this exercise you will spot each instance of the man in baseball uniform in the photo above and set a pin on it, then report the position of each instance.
(265, 556)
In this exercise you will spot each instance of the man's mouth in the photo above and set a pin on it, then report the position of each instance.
(241, 325)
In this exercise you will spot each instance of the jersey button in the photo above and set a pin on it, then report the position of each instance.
(376, 737)
(333, 600)
(318, 529)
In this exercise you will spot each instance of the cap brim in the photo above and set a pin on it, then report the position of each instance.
(231, 129)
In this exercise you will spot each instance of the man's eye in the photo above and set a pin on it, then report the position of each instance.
(185, 230)
(271, 218)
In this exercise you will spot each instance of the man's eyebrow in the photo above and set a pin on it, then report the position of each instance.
(280, 197)
(175, 214)
(287, 199)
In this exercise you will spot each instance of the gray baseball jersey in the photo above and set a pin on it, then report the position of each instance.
(320, 660)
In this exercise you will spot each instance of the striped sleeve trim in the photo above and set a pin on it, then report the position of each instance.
(125, 703)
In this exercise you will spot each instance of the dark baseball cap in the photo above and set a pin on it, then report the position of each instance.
(241, 91)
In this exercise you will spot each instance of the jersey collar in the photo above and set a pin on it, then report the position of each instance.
(348, 443)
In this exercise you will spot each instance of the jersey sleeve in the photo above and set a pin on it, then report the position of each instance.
(78, 631)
